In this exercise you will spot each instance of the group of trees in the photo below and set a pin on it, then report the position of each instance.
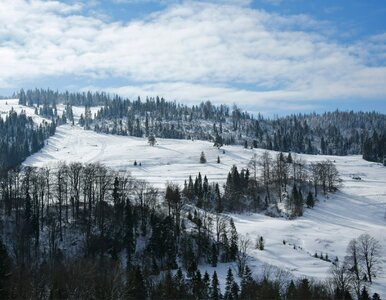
(89, 221)
(360, 266)
(267, 180)
(374, 148)
(21, 137)
(333, 133)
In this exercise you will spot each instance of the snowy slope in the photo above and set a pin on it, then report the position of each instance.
(359, 207)
(7, 105)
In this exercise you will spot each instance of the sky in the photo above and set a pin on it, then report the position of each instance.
(270, 56)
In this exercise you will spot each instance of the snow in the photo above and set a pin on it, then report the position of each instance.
(6, 105)
(359, 207)
(77, 111)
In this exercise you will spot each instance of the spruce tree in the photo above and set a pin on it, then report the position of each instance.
(310, 200)
(247, 285)
(229, 285)
(215, 293)
(136, 289)
(233, 248)
(364, 294)
(214, 255)
(202, 158)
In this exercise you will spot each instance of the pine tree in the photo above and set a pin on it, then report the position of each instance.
(151, 140)
(197, 285)
(291, 291)
(215, 293)
(364, 294)
(247, 285)
(229, 286)
(180, 285)
(376, 297)
(310, 200)
(206, 286)
(5, 271)
(233, 248)
(289, 158)
(235, 290)
(168, 286)
(214, 255)
(202, 158)
(136, 286)
(218, 142)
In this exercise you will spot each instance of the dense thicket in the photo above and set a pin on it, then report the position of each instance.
(21, 137)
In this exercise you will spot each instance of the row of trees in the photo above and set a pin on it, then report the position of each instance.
(48, 97)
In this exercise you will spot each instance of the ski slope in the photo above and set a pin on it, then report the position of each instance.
(359, 207)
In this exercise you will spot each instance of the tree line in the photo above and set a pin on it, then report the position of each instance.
(331, 133)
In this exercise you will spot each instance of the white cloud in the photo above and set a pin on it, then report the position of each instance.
(191, 51)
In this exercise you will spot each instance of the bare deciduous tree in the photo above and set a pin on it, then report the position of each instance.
(369, 253)
(341, 277)
(242, 256)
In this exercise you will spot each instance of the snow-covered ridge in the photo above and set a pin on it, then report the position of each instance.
(359, 207)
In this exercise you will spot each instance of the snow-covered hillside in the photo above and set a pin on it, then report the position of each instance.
(6, 105)
(359, 207)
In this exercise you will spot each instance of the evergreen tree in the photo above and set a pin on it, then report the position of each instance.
(151, 140)
(136, 289)
(247, 285)
(229, 286)
(5, 271)
(215, 293)
(214, 255)
(206, 286)
(364, 294)
(375, 297)
(218, 142)
(180, 285)
(202, 158)
(233, 248)
(310, 200)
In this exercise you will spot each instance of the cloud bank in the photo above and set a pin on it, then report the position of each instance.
(190, 51)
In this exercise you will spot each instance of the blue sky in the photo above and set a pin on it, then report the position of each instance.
(269, 56)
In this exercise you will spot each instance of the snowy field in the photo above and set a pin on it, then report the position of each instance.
(359, 207)
(7, 105)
